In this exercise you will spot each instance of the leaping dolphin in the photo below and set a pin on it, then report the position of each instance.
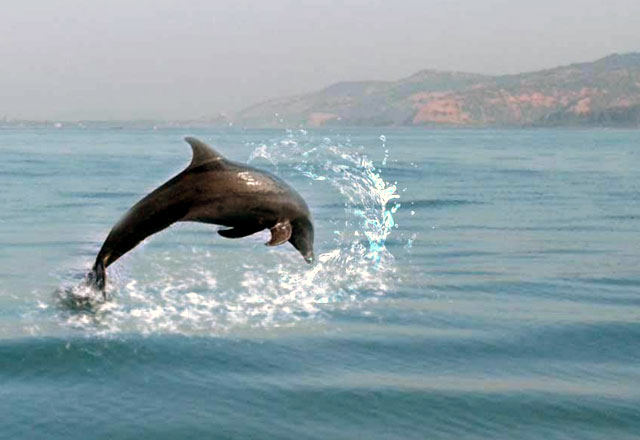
(213, 190)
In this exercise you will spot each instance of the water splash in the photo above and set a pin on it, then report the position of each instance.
(354, 175)
(174, 291)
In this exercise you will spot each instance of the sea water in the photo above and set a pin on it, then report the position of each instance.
(468, 284)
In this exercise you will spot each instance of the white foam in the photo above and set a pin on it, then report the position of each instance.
(184, 293)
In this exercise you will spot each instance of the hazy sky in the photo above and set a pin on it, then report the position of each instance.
(89, 59)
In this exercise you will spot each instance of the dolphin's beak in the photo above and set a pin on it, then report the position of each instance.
(309, 258)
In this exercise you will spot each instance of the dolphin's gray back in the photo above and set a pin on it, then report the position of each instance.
(229, 192)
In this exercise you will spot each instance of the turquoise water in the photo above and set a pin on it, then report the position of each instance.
(470, 284)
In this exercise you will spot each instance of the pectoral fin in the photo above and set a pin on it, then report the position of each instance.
(240, 231)
(280, 233)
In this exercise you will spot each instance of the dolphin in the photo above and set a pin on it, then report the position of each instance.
(212, 190)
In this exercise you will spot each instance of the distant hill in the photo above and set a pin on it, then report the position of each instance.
(602, 93)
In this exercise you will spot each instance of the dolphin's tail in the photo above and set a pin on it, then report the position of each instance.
(97, 278)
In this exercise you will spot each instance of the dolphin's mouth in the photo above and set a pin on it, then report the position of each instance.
(309, 258)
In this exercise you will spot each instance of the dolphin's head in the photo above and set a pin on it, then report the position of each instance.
(302, 237)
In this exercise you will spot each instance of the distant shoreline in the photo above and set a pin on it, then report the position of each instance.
(163, 125)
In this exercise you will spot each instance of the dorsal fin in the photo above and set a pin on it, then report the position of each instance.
(202, 153)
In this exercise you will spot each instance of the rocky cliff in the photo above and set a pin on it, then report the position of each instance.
(605, 93)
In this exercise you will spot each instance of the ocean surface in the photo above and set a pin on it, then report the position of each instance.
(469, 284)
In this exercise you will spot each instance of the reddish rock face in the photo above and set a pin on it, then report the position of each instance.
(484, 105)
(624, 102)
(582, 107)
(443, 110)
(535, 99)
